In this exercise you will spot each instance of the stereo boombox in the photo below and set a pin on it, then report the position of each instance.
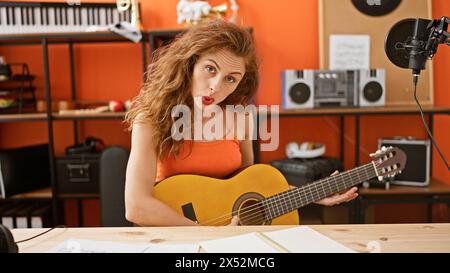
(333, 88)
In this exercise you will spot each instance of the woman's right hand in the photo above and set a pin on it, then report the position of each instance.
(234, 221)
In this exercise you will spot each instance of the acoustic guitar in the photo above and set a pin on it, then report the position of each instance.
(260, 195)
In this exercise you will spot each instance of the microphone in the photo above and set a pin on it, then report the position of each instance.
(409, 44)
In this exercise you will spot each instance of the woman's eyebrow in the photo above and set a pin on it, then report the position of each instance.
(239, 73)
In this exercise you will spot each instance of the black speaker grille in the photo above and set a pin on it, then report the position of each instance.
(372, 91)
(300, 93)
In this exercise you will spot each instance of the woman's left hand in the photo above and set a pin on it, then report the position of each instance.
(337, 198)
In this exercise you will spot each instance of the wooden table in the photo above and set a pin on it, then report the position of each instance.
(391, 238)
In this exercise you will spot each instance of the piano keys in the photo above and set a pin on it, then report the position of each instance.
(47, 17)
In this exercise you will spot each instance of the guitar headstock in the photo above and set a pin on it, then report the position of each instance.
(388, 161)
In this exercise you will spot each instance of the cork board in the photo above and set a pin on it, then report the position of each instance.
(341, 17)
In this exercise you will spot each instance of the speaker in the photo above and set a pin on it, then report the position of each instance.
(372, 88)
(297, 89)
(417, 169)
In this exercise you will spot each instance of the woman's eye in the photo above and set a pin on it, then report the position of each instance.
(230, 79)
(210, 69)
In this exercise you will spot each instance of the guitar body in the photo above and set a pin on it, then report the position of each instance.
(213, 201)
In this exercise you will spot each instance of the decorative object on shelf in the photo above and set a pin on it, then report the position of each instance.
(59, 105)
(193, 12)
(17, 93)
(88, 108)
(127, 104)
(130, 30)
(5, 70)
(127, 30)
(133, 6)
(305, 150)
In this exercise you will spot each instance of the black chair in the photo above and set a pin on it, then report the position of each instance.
(113, 165)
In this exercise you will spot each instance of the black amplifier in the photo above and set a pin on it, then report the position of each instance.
(78, 173)
(299, 172)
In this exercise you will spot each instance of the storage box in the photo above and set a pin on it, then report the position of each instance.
(417, 168)
(78, 173)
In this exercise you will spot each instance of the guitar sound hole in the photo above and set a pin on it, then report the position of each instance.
(251, 213)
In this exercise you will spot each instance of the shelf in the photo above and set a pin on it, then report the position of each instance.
(78, 196)
(108, 115)
(435, 187)
(45, 193)
(389, 110)
(43, 117)
(23, 117)
(19, 78)
(59, 38)
(4, 91)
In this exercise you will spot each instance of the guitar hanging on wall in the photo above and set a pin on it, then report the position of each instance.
(260, 194)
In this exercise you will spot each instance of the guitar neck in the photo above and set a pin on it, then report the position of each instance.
(290, 200)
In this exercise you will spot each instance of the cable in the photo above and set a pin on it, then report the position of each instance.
(40, 234)
(415, 80)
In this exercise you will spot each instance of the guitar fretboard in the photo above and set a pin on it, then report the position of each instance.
(290, 200)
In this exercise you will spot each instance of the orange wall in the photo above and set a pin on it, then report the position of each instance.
(286, 36)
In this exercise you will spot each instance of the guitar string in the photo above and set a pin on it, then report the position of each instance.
(257, 221)
(287, 198)
(287, 202)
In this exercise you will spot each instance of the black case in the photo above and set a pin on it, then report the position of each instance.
(78, 173)
(299, 172)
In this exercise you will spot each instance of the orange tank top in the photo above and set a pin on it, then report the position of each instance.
(216, 159)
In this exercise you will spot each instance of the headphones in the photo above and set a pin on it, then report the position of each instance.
(7, 244)
(305, 150)
(90, 145)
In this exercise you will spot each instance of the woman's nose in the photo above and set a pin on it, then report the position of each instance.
(214, 86)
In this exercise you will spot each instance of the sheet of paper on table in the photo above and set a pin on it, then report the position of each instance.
(298, 239)
(91, 246)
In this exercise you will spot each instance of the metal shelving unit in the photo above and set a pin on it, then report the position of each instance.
(148, 45)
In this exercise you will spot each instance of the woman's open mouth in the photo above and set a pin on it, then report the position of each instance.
(206, 100)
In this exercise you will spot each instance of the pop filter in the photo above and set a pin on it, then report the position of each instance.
(406, 42)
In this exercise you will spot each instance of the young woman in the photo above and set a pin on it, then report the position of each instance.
(211, 64)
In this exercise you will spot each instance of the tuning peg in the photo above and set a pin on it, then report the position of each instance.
(383, 149)
(380, 178)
